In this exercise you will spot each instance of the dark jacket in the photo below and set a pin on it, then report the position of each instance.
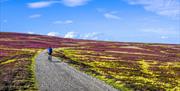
(50, 50)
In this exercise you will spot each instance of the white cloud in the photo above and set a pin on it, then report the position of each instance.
(30, 32)
(69, 3)
(164, 37)
(160, 31)
(93, 35)
(70, 35)
(53, 34)
(35, 16)
(63, 22)
(111, 16)
(74, 3)
(108, 14)
(41, 4)
(68, 22)
(169, 8)
(58, 22)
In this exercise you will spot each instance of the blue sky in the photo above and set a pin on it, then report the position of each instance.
(152, 21)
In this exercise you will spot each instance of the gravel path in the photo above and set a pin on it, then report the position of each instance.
(55, 75)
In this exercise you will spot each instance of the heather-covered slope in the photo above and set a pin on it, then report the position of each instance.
(17, 53)
(19, 40)
(126, 66)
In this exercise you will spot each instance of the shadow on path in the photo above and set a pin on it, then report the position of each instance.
(51, 60)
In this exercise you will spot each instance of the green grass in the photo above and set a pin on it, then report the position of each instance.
(145, 67)
(8, 61)
(32, 69)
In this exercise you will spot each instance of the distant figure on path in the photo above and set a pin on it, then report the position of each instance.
(50, 50)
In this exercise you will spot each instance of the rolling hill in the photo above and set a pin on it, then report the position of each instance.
(124, 65)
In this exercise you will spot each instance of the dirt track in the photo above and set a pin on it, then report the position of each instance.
(58, 76)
